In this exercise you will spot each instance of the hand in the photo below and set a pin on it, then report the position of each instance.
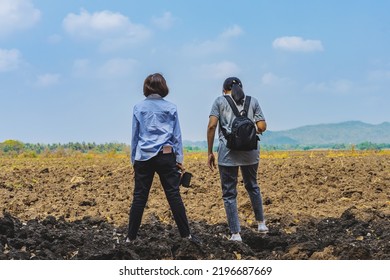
(181, 167)
(211, 161)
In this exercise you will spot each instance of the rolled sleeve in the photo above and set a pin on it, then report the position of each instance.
(258, 113)
(134, 138)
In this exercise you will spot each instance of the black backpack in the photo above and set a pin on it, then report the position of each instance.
(243, 136)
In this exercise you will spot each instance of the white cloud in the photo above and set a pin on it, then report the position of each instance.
(117, 68)
(118, 43)
(81, 67)
(165, 21)
(341, 86)
(86, 25)
(47, 80)
(54, 39)
(379, 75)
(297, 44)
(9, 60)
(270, 79)
(17, 15)
(113, 30)
(218, 45)
(219, 70)
(111, 69)
(205, 48)
(231, 32)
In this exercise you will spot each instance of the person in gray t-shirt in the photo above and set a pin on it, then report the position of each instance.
(229, 161)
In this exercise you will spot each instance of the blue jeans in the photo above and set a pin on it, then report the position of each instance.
(228, 175)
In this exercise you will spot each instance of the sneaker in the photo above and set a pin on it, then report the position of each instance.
(236, 237)
(128, 240)
(194, 239)
(262, 228)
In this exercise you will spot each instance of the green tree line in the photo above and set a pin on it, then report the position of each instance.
(360, 146)
(15, 147)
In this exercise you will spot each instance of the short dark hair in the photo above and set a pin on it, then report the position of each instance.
(155, 83)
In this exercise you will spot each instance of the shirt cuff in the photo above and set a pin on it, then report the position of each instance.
(179, 159)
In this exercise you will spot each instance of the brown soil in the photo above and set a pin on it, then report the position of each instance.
(318, 205)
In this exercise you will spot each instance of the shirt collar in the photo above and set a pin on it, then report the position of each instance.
(154, 96)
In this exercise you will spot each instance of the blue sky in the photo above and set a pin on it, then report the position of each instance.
(73, 70)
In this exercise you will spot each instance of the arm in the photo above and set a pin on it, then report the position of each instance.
(261, 126)
(178, 142)
(134, 138)
(212, 126)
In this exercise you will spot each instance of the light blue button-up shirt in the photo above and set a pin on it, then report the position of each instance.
(155, 124)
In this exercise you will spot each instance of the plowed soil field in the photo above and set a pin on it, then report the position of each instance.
(318, 205)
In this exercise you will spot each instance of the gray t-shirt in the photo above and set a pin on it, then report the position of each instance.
(222, 110)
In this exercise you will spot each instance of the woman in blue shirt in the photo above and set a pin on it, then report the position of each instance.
(156, 147)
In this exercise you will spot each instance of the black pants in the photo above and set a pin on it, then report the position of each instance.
(165, 166)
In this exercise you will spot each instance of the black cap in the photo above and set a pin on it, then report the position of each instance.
(229, 82)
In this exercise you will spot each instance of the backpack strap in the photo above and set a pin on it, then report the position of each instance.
(234, 107)
(246, 105)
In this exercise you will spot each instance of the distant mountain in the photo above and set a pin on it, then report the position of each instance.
(351, 132)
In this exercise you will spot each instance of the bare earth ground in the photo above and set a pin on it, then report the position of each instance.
(318, 205)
